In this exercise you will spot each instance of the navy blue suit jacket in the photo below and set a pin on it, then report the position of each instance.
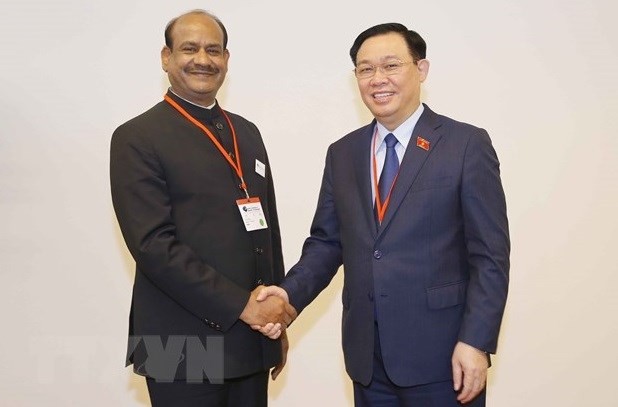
(435, 271)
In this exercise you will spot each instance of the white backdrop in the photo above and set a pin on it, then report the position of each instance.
(539, 75)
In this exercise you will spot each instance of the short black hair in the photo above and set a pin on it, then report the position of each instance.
(416, 44)
(168, 28)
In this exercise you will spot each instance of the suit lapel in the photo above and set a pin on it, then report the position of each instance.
(360, 158)
(413, 160)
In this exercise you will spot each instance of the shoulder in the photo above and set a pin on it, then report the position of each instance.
(239, 120)
(355, 137)
(144, 122)
(246, 130)
(449, 123)
(456, 130)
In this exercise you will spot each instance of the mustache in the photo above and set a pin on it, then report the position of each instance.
(207, 69)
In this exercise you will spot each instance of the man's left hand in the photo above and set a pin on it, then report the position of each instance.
(285, 345)
(469, 371)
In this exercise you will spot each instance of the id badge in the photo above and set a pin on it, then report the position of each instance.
(252, 214)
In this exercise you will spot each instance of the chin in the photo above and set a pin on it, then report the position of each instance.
(382, 112)
(203, 90)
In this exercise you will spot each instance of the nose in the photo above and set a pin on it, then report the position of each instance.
(378, 77)
(202, 57)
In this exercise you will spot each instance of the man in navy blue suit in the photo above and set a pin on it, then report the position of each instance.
(413, 207)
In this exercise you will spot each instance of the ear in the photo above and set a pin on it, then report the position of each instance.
(226, 55)
(166, 53)
(423, 68)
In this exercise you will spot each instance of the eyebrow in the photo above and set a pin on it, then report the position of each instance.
(382, 59)
(196, 44)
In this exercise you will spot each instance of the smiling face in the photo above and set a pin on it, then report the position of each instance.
(196, 63)
(391, 98)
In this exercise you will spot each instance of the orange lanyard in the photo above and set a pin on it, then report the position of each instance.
(380, 207)
(235, 165)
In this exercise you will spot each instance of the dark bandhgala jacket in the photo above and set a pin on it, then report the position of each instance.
(175, 199)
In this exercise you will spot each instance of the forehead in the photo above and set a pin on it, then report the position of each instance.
(384, 46)
(197, 28)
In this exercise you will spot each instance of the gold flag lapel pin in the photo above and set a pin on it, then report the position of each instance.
(422, 143)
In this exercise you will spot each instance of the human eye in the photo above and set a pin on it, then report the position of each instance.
(189, 49)
(365, 70)
(214, 51)
(392, 66)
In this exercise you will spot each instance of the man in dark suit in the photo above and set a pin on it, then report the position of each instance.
(412, 206)
(193, 194)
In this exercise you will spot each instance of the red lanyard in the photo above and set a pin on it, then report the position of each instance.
(380, 207)
(235, 165)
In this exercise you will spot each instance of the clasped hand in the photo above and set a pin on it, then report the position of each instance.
(268, 311)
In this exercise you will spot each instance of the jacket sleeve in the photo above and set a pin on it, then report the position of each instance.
(487, 243)
(321, 255)
(278, 266)
(143, 208)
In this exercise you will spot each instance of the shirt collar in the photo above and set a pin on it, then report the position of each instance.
(403, 133)
(204, 115)
(194, 104)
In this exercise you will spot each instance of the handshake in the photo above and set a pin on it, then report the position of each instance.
(269, 311)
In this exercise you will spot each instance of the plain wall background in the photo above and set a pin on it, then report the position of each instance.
(539, 75)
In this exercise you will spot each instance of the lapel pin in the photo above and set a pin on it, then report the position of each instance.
(422, 143)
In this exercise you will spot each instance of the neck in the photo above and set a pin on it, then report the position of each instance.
(200, 103)
(395, 122)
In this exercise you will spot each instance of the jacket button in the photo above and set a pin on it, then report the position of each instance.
(259, 281)
(259, 250)
(219, 126)
(377, 254)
